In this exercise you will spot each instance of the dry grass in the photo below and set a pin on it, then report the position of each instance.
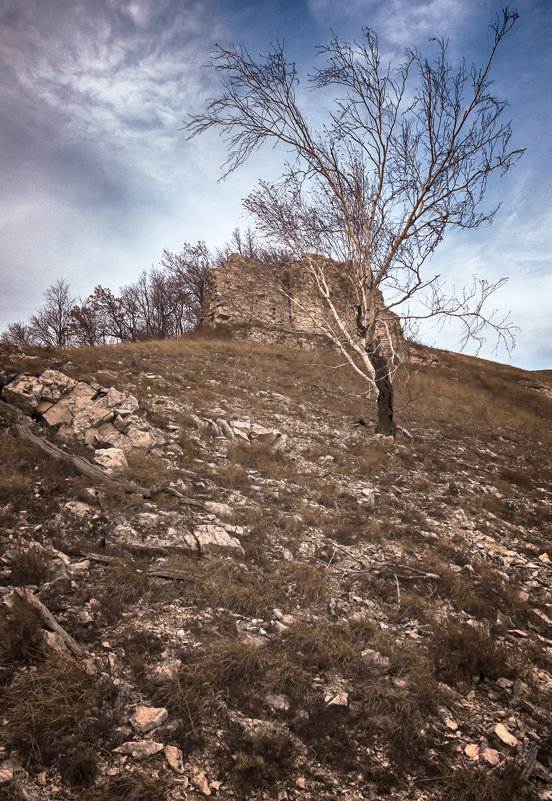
(45, 709)
(460, 652)
(479, 396)
(261, 760)
(30, 566)
(222, 583)
(16, 469)
(21, 637)
(148, 470)
(478, 784)
(131, 787)
(126, 580)
(477, 433)
(260, 457)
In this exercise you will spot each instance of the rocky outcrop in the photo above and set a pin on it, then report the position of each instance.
(282, 304)
(243, 431)
(104, 419)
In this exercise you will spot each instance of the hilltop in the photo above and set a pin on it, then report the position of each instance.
(267, 600)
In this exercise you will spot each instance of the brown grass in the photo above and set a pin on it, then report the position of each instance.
(460, 652)
(458, 412)
(478, 784)
(45, 708)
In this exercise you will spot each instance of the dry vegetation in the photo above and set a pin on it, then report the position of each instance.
(353, 647)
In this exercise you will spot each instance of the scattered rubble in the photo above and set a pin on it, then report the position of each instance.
(140, 749)
(270, 637)
(147, 718)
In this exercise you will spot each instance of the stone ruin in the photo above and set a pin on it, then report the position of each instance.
(265, 303)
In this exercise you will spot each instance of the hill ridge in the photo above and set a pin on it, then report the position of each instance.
(334, 614)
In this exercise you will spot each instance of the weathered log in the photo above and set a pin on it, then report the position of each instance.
(50, 622)
(164, 571)
(156, 571)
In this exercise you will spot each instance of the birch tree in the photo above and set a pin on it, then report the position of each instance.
(405, 154)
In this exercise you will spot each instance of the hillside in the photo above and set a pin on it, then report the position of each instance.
(273, 602)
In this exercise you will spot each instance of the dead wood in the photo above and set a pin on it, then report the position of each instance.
(156, 571)
(50, 622)
(390, 569)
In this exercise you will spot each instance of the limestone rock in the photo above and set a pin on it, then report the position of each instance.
(6, 775)
(221, 510)
(375, 659)
(368, 496)
(78, 509)
(200, 781)
(278, 703)
(337, 698)
(167, 672)
(112, 460)
(267, 436)
(24, 392)
(503, 734)
(77, 410)
(212, 538)
(141, 749)
(27, 392)
(146, 718)
(491, 756)
(174, 758)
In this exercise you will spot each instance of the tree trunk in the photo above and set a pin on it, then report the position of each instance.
(382, 378)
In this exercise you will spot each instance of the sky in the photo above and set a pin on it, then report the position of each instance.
(97, 177)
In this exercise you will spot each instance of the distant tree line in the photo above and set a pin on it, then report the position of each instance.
(162, 303)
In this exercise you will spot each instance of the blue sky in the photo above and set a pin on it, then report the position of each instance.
(97, 179)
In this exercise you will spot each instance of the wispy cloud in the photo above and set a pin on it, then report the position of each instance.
(97, 179)
(399, 23)
(103, 81)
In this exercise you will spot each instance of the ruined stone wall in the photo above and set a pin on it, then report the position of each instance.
(246, 292)
(267, 303)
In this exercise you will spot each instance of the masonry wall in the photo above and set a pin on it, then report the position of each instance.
(278, 303)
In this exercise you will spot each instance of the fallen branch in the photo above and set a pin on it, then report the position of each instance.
(349, 554)
(156, 571)
(406, 433)
(394, 570)
(529, 763)
(167, 572)
(398, 590)
(50, 622)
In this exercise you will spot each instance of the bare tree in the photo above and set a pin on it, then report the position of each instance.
(18, 334)
(88, 323)
(248, 244)
(405, 154)
(190, 269)
(50, 324)
(110, 318)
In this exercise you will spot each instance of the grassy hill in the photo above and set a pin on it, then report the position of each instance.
(375, 621)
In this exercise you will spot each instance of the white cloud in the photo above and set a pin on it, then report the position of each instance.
(97, 179)
(399, 23)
